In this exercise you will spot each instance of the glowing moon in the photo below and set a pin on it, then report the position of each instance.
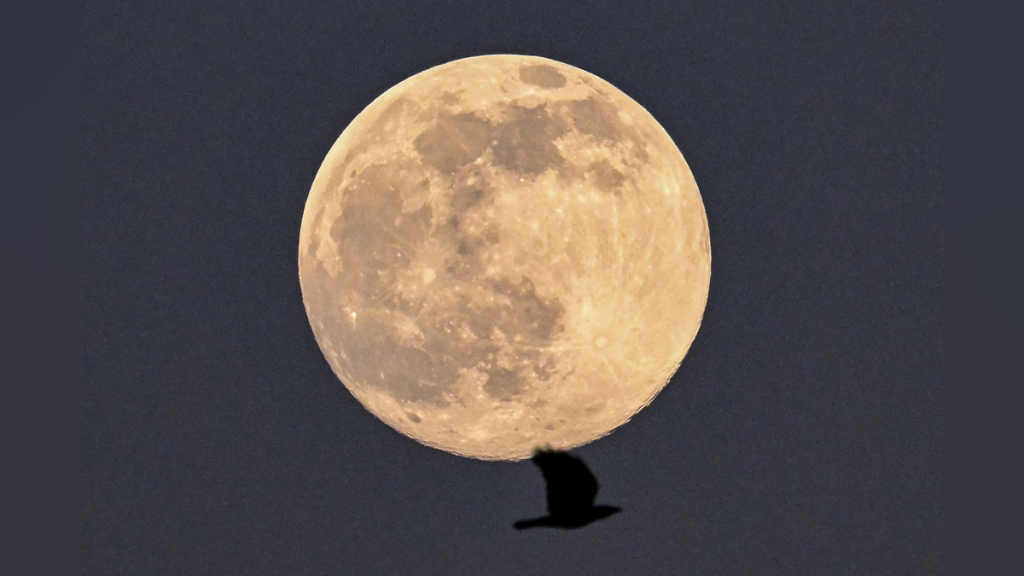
(503, 252)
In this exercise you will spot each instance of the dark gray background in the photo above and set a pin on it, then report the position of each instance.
(802, 435)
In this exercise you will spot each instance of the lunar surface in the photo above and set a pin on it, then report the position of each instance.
(504, 252)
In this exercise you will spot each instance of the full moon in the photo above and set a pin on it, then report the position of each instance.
(504, 252)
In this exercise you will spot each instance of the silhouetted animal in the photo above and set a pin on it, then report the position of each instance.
(571, 493)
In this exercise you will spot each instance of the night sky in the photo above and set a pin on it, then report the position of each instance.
(803, 433)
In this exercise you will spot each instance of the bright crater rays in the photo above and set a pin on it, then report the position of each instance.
(504, 252)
